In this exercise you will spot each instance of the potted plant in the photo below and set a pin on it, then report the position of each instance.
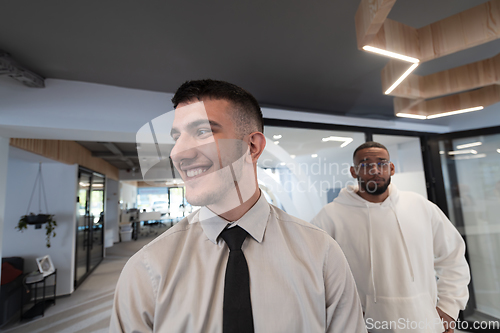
(38, 220)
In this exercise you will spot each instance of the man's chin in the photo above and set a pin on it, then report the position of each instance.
(376, 189)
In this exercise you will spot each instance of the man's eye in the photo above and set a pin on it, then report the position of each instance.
(204, 131)
(175, 137)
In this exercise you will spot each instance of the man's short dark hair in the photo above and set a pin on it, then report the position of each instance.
(369, 144)
(247, 116)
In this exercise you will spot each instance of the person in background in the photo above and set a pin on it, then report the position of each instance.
(238, 264)
(406, 256)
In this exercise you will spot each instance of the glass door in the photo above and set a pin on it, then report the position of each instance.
(89, 224)
(96, 223)
(82, 223)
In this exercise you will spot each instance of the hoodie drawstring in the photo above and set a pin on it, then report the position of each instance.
(370, 241)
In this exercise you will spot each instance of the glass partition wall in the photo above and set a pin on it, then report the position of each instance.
(471, 183)
(302, 170)
(406, 155)
(305, 165)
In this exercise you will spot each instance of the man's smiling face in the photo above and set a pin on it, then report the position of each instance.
(206, 144)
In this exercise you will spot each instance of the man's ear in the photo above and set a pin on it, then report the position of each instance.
(353, 172)
(256, 144)
(393, 169)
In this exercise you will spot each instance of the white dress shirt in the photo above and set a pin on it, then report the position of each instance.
(299, 278)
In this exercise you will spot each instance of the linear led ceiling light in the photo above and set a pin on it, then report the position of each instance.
(451, 113)
(394, 55)
(469, 145)
(390, 54)
(345, 140)
(398, 81)
(444, 114)
(409, 115)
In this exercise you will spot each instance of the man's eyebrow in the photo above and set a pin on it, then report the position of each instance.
(196, 124)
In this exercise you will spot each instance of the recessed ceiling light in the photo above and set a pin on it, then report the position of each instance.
(276, 142)
(314, 155)
(277, 137)
(292, 156)
(282, 163)
(498, 151)
(398, 81)
(409, 115)
(469, 145)
(390, 54)
(451, 113)
(441, 152)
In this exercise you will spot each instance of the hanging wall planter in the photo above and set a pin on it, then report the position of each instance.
(39, 219)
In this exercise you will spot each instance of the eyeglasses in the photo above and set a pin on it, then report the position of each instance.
(380, 165)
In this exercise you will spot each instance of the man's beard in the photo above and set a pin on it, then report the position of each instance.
(373, 188)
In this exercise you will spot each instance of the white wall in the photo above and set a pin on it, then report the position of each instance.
(112, 209)
(61, 187)
(128, 195)
(72, 110)
(4, 157)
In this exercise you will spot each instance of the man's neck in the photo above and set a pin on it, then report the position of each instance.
(236, 213)
(375, 198)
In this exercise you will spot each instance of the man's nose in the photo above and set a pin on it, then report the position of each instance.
(184, 148)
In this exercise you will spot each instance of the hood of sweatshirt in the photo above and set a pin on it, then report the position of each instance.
(348, 196)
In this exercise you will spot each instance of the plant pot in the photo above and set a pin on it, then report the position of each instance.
(37, 219)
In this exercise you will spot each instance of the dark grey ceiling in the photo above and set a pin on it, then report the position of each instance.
(300, 55)
(122, 155)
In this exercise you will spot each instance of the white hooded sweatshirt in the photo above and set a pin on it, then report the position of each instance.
(396, 249)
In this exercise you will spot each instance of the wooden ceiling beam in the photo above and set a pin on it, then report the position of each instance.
(369, 18)
(484, 97)
(467, 77)
(472, 27)
(397, 37)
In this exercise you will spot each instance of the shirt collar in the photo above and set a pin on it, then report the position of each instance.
(254, 221)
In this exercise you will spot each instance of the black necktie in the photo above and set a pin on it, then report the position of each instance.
(237, 310)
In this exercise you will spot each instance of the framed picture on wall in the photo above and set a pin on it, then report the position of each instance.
(45, 265)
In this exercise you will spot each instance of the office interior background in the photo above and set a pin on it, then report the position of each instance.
(93, 73)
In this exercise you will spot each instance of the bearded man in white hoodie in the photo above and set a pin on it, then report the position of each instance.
(406, 256)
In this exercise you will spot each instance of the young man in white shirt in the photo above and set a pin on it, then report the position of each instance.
(299, 279)
(396, 244)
